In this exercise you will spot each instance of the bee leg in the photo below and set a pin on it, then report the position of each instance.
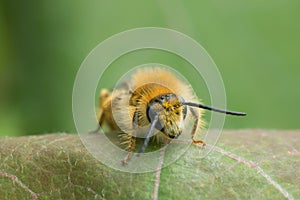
(131, 139)
(95, 131)
(130, 149)
(195, 127)
(100, 121)
(103, 101)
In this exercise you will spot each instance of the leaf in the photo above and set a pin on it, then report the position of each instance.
(248, 164)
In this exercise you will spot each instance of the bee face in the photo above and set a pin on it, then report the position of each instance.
(171, 114)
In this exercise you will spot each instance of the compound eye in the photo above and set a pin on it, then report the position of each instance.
(151, 114)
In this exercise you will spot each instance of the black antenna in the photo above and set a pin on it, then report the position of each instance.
(214, 109)
(149, 134)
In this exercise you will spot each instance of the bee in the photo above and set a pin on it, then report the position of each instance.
(155, 98)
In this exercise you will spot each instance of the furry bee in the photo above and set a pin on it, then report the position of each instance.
(154, 98)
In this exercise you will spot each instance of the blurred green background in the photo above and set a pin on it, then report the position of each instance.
(255, 44)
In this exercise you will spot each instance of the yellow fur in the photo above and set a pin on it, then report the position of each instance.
(117, 108)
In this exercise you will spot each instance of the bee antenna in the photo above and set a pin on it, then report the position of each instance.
(149, 134)
(228, 112)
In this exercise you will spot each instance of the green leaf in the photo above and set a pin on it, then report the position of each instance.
(248, 164)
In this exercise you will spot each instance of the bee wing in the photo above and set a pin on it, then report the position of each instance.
(122, 112)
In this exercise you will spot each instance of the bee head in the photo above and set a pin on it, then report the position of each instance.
(170, 111)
